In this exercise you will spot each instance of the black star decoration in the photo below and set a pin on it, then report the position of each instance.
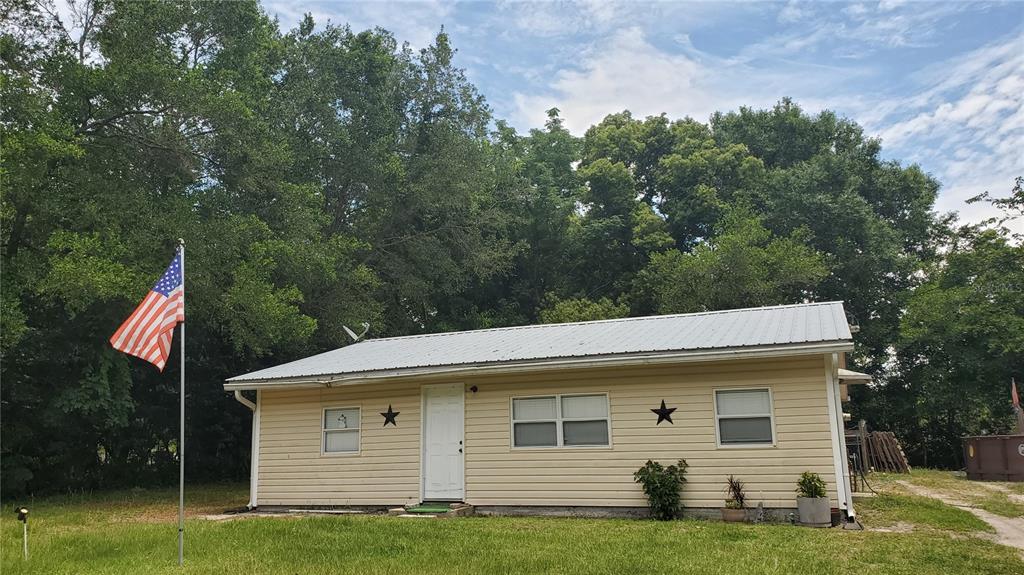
(389, 416)
(664, 413)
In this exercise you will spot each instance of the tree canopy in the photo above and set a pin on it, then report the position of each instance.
(324, 177)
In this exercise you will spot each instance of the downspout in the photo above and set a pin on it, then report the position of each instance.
(245, 401)
(254, 459)
(838, 435)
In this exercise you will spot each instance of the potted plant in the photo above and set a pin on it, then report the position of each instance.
(735, 509)
(812, 501)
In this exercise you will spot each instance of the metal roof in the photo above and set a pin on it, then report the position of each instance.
(739, 329)
(850, 376)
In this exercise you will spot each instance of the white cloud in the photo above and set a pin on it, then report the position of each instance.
(573, 18)
(793, 11)
(556, 19)
(904, 24)
(414, 22)
(965, 124)
(855, 10)
(954, 199)
(855, 31)
(623, 72)
(889, 5)
(626, 71)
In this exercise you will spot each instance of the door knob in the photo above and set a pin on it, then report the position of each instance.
(460, 450)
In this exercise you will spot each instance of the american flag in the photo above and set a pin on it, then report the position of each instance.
(146, 333)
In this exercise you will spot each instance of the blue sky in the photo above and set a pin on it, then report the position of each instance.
(941, 83)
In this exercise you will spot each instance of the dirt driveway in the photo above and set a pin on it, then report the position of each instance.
(1009, 531)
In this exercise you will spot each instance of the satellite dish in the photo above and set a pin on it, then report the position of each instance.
(352, 334)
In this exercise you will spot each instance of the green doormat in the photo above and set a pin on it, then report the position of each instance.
(429, 508)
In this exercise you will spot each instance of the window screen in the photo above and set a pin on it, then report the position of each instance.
(542, 434)
(744, 417)
(341, 430)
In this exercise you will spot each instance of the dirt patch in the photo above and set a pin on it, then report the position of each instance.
(899, 527)
(1008, 531)
(234, 516)
(274, 514)
(161, 514)
(1015, 497)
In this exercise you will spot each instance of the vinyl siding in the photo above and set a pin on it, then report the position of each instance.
(292, 470)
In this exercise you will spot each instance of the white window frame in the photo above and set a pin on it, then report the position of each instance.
(770, 415)
(324, 431)
(558, 420)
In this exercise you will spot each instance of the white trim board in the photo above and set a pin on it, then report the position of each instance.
(835, 418)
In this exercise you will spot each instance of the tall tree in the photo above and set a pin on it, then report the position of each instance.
(872, 219)
(543, 190)
(743, 265)
(150, 127)
(962, 340)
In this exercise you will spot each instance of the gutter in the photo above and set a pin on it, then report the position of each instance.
(244, 400)
(254, 459)
(838, 436)
(532, 366)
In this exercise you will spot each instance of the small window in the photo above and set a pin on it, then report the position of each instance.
(566, 420)
(744, 417)
(341, 430)
(535, 422)
(585, 420)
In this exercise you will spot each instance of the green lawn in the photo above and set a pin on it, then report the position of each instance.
(992, 496)
(134, 532)
(890, 509)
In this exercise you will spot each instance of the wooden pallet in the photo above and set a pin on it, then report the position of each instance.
(884, 452)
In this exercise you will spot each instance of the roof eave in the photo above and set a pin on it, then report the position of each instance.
(848, 376)
(618, 360)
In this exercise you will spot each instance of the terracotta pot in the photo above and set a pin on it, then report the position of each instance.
(734, 515)
(814, 511)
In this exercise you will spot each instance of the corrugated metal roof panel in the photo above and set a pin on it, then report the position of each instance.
(742, 328)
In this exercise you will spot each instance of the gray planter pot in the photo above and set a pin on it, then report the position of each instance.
(814, 511)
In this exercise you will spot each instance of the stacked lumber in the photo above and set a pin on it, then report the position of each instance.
(884, 452)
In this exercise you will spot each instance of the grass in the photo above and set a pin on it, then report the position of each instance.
(134, 532)
(889, 509)
(992, 496)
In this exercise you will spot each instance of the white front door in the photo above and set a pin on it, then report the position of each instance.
(442, 442)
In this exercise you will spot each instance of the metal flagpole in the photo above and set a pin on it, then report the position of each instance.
(181, 426)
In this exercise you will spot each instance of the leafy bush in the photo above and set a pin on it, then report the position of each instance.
(810, 485)
(663, 487)
(734, 488)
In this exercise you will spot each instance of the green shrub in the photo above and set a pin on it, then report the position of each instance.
(663, 487)
(810, 485)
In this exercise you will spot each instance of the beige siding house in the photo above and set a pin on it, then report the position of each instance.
(556, 418)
